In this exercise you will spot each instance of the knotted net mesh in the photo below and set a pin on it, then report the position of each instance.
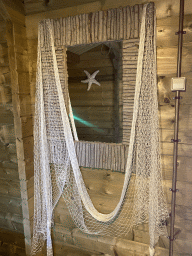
(56, 166)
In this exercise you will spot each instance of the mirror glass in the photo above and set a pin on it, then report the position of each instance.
(96, 104)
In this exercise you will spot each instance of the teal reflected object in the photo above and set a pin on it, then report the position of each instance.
(86, 123)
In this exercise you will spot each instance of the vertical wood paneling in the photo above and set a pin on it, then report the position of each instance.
(87, 30)
(100, 26)
(132, 21)
(84, 30)
(24, 146)
(128, 22)
(92, 27)
(136, 28)
(74, 39)
(129, 63)
(122, 25)
(77, 27)
(101, 155)
(10, 210)
(105, 26)
(108, 25)
(96, 39)
(113, 24)
(58, 27)
(140, 16)
(124, 22)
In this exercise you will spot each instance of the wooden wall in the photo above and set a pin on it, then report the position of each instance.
(10, 204)
(16, 129)
(11, 243)
(166, 68)
(167, 25)
(11, 216)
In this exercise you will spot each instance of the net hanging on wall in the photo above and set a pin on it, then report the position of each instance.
(56, 166)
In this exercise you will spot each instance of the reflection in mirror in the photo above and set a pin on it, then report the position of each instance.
(97, 111)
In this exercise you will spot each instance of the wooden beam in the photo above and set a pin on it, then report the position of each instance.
(33, 7)
(3, 11)
(16, 5)
(21, 157)
(9, 12)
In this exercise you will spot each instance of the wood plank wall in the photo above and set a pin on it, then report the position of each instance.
(167, 25)
(10, 203)
(166, 68)
(21, 108)
(11, 217)
(11, 243)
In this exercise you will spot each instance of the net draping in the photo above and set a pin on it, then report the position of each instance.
(56, 166)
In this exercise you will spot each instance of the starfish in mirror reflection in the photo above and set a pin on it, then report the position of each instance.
(91, 79)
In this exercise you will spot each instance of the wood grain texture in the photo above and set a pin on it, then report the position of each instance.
(10, 205)
(167, 25)
(115, 19)
(11, 243)
(128, 63)
(21, 107)
(91, 151)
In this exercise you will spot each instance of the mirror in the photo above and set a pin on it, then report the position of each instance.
(97, 109)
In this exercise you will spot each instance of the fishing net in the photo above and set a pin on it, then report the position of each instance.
(57, 171)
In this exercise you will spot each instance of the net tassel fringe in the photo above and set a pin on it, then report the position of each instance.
(151, 251)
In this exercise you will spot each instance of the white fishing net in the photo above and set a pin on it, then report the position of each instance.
(56, 166)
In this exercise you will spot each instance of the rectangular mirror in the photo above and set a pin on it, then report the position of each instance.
(97, 109)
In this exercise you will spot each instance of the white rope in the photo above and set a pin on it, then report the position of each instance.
(69, 138)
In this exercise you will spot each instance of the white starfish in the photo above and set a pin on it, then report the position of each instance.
(91, 79)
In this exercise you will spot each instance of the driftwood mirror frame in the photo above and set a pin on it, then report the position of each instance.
(122, 24)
